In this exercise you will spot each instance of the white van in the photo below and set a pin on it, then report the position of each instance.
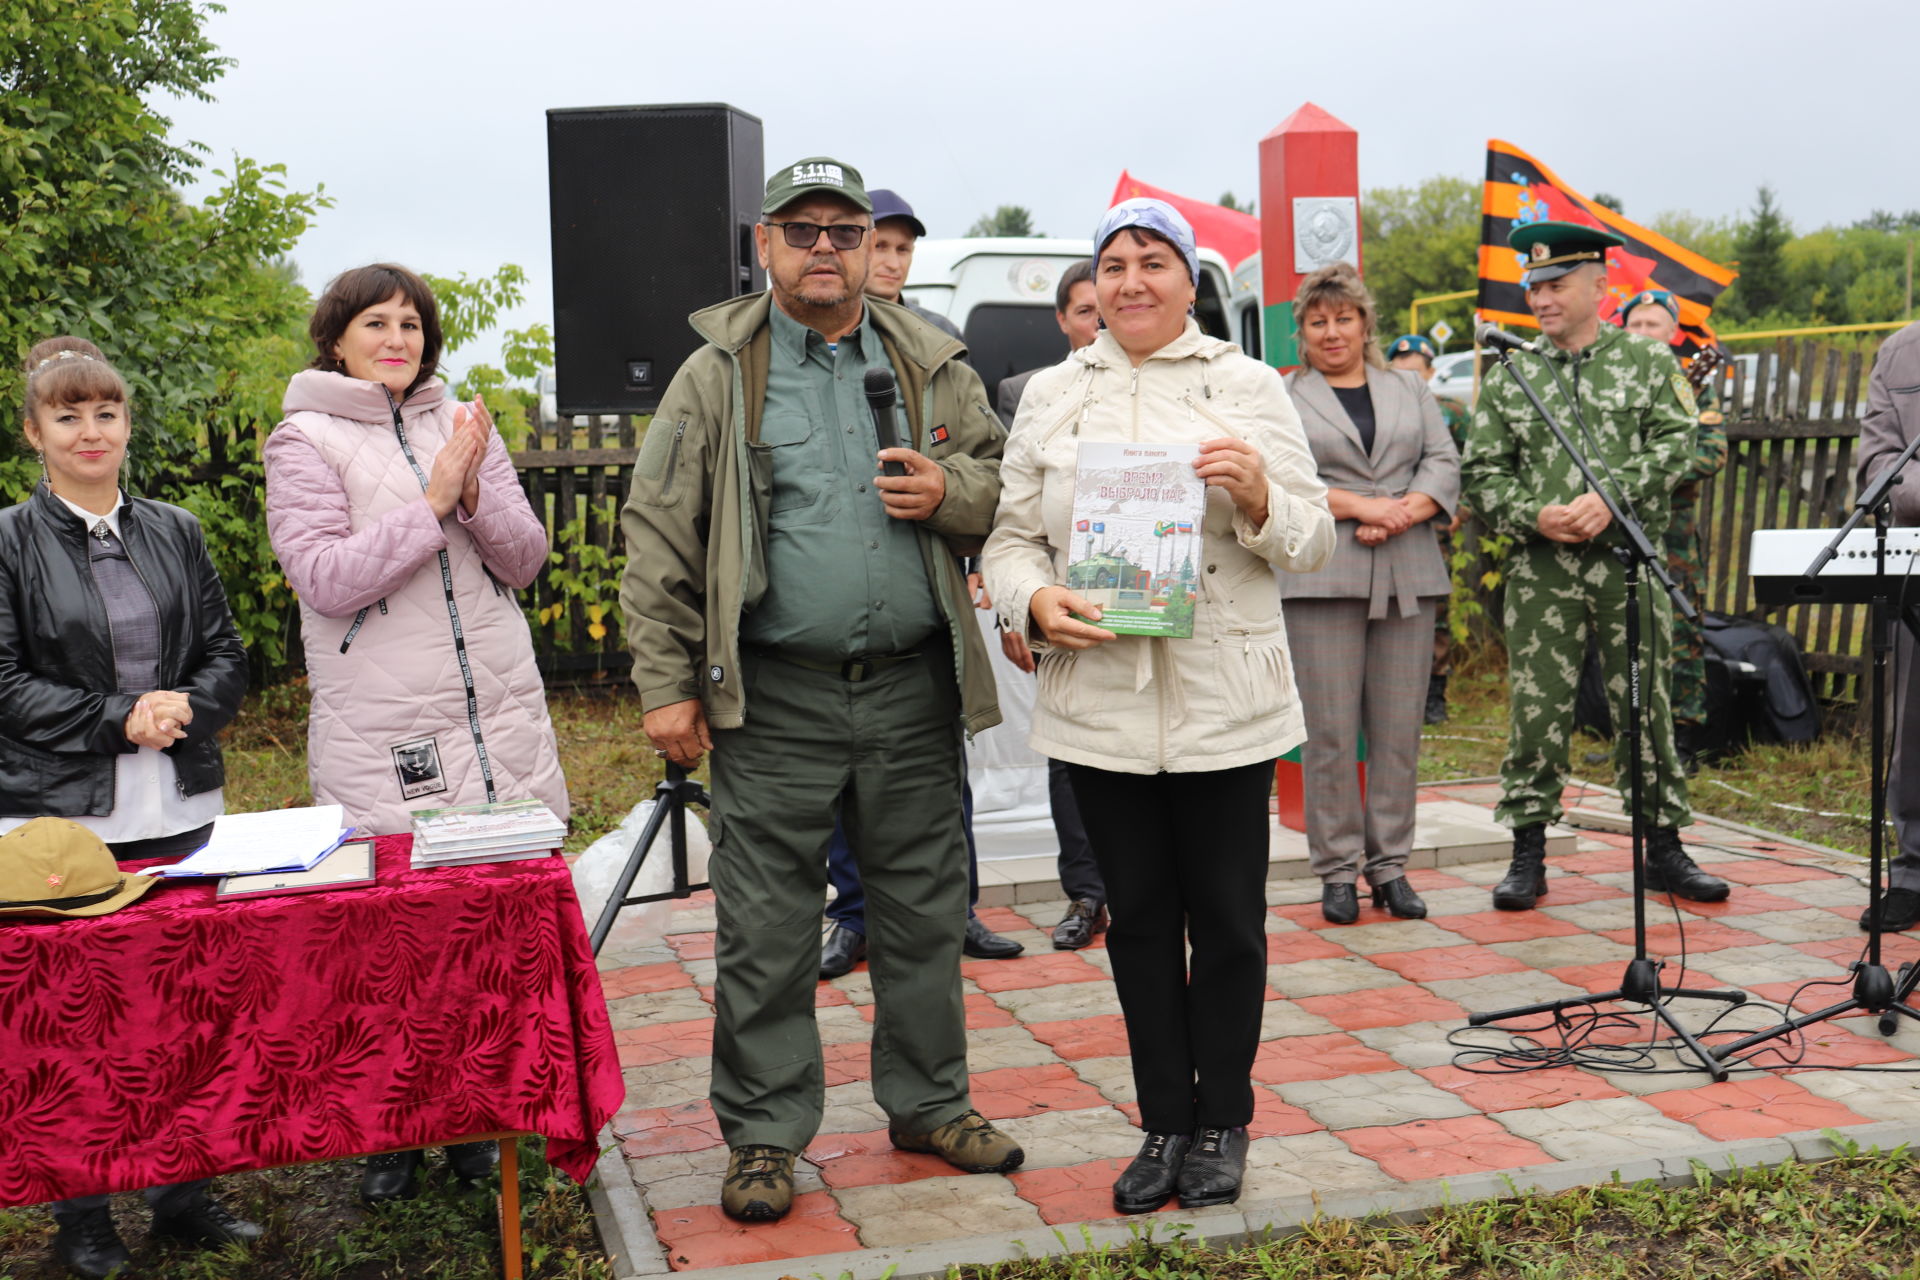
(999, 291)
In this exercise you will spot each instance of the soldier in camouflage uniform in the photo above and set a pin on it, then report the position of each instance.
(1654, 313)
(1562, 578)
(1415, 352)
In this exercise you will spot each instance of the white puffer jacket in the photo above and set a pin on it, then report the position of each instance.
(1225, 697)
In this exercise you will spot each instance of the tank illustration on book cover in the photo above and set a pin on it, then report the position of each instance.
(1137, 512)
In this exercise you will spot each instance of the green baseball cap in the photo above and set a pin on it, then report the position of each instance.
(815, 173)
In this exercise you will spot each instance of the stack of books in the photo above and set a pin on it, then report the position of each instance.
(505, 832)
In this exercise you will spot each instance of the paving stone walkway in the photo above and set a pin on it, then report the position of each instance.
(1356, 1084)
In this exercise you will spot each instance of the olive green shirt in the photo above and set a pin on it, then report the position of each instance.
(1641, 434)
(844, 578)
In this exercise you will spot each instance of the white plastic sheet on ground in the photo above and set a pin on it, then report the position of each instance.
(1012, 817)
(596, 872)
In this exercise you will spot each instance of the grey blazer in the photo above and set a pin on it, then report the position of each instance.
(1411, 450)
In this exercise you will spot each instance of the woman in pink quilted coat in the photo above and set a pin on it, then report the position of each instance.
(401, 525)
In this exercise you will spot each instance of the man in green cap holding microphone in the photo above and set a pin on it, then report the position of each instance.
(801, 615)
(1632, 415)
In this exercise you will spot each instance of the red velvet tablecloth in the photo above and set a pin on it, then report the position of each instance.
(179, 1037)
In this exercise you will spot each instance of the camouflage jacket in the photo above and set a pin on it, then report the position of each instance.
(1640, 416)
(1710, 444)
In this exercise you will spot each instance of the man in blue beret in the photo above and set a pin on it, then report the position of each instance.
(1563, 582)
(1655, 314)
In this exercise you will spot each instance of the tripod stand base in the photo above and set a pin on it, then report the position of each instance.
(1639, 985)
(1873, 990)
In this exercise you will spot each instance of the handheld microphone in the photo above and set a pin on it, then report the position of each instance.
(1486, 335)
(881, 393)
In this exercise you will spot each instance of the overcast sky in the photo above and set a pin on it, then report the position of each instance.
(425, 120)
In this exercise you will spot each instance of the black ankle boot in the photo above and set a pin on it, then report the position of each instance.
(1670, 870)
(1145, 1184)
(472, 1161)
(87, 1245)
(1214, 1167)
(1397, 896)
(1339, 903)
(392, 1176)
(1526, 880)
(1436, 712)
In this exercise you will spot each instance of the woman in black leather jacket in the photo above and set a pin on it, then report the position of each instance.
(119, 663)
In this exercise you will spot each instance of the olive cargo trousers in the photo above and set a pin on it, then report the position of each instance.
(882, 753)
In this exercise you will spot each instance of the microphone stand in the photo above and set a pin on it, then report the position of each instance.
(1640, 984)
(670, 800)
(1873, 990)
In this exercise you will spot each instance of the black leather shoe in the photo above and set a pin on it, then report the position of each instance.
(1436, 700)
(1670, 870)
(87, 1245)
(1085, 918)
(1213, 1169)
(1526, 880)
(392, 1176)
(1339, 903)
(1397, 896)
(1899, 909)
(207, 1224)
(1146, 1184)
(842, 950)
(472, 1161)
(983, 943)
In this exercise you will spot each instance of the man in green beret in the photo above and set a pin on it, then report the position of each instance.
(1655, 314)
(1414, 352)
(1563, 582)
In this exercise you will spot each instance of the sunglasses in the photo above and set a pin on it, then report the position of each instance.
(804, 235)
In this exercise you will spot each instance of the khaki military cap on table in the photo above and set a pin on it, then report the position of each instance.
(52, 868)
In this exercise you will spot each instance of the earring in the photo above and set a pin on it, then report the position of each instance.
(42, 459)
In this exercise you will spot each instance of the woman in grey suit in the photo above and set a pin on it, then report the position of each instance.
(1363, 627)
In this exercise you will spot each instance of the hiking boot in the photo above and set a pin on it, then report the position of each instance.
(87, 1245)
(1526, 880)
(1150, 1179)
(207, 1224)
(759, 1183)
(1085, 918)
(1899, 909)
(1670, 870)
(1436, 700)
(968, 1142)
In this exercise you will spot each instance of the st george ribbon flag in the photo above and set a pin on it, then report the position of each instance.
(1235, 234)
(1519, 190)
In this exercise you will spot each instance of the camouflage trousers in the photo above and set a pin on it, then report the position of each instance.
(1556, 593)
(1684, 558)
(1442, 623)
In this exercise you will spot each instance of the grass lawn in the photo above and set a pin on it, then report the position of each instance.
(1843, 1218)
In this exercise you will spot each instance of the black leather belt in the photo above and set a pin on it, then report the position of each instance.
(853, 670)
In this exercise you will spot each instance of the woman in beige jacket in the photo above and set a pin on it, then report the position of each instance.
(1169, 743)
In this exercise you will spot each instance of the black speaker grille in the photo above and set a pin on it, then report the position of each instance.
(651, 210)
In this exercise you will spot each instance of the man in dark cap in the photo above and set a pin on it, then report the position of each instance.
(895, 232)
(1632, 414)
(1655, 314)
(803, 617)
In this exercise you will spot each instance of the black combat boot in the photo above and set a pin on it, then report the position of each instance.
(1526, 880)
(1436, 700)
(1670, 870)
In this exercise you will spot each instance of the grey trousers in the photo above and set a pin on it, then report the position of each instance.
(1903, 774)
(1358, 675)
(165, 1201)
(883, 755)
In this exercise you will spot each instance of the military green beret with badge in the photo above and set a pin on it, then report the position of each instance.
(1552, 249)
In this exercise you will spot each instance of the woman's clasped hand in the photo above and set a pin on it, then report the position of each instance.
(456, 469)
(159, 719)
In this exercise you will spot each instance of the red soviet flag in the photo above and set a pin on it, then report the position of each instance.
(1236, 235)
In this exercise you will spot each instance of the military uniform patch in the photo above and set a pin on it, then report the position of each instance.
(1684, 389)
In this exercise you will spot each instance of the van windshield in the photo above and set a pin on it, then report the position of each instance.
(1008, 338)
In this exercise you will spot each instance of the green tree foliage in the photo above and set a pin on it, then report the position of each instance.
(1420, 241)
(1759, 247)
(194, 303)
(1227, 201)
(1711, 238)
(1609, 201)
(1007, 220)
(469, 308)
